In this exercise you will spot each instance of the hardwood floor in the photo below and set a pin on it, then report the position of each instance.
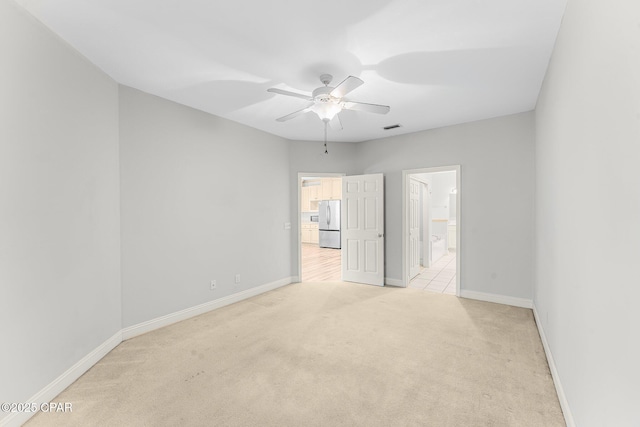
(320, 264)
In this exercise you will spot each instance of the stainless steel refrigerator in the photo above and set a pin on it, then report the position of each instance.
(329, 224)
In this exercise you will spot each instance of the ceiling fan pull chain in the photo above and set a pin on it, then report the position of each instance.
(325, 137)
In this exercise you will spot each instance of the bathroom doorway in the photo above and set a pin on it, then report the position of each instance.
(431, 228)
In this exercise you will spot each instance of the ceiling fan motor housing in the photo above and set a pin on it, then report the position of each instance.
(322, 94)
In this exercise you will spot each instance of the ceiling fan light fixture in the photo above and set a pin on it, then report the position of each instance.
(328, 101)
(326, 110)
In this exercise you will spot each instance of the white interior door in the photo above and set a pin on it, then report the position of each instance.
(363, 229)
(414, 228)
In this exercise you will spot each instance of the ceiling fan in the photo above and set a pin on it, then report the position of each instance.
(327, 101)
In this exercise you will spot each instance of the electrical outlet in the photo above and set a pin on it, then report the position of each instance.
(237, 279)
(212, 285)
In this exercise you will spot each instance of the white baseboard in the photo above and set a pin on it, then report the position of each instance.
(393, 282)
(500, 299)
(564, 403)
(49, 393)
(159, 322)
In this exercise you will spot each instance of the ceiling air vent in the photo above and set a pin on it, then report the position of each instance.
(391, 127)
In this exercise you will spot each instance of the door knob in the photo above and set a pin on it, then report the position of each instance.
(380, 235)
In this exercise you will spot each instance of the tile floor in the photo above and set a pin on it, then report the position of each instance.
(440, 277)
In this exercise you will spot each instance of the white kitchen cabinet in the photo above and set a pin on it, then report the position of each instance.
(326, 188)
(315, 235)
(314, 193)
(331, 188)
(336, 188)
(304, 202)
(310, 195)
(309, 232)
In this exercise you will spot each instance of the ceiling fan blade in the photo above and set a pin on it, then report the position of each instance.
(346, 86)
(294, 114)
(289, 93)
(369, 108)
(335, 123)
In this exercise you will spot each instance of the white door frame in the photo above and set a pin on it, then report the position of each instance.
(299, 209)
(405, 220)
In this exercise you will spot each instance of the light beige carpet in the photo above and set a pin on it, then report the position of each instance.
(326, 354)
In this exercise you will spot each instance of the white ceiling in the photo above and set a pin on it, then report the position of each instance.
(435, 62)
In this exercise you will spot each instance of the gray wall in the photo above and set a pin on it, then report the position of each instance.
(202, 198)
(587, 157)
(59, 207)
(497, 197)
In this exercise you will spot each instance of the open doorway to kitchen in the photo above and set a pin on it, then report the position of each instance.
(319, 195)
(431, 229)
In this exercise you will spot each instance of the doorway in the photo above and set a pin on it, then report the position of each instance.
(320, 254)
(431, 229)
(351, 206)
